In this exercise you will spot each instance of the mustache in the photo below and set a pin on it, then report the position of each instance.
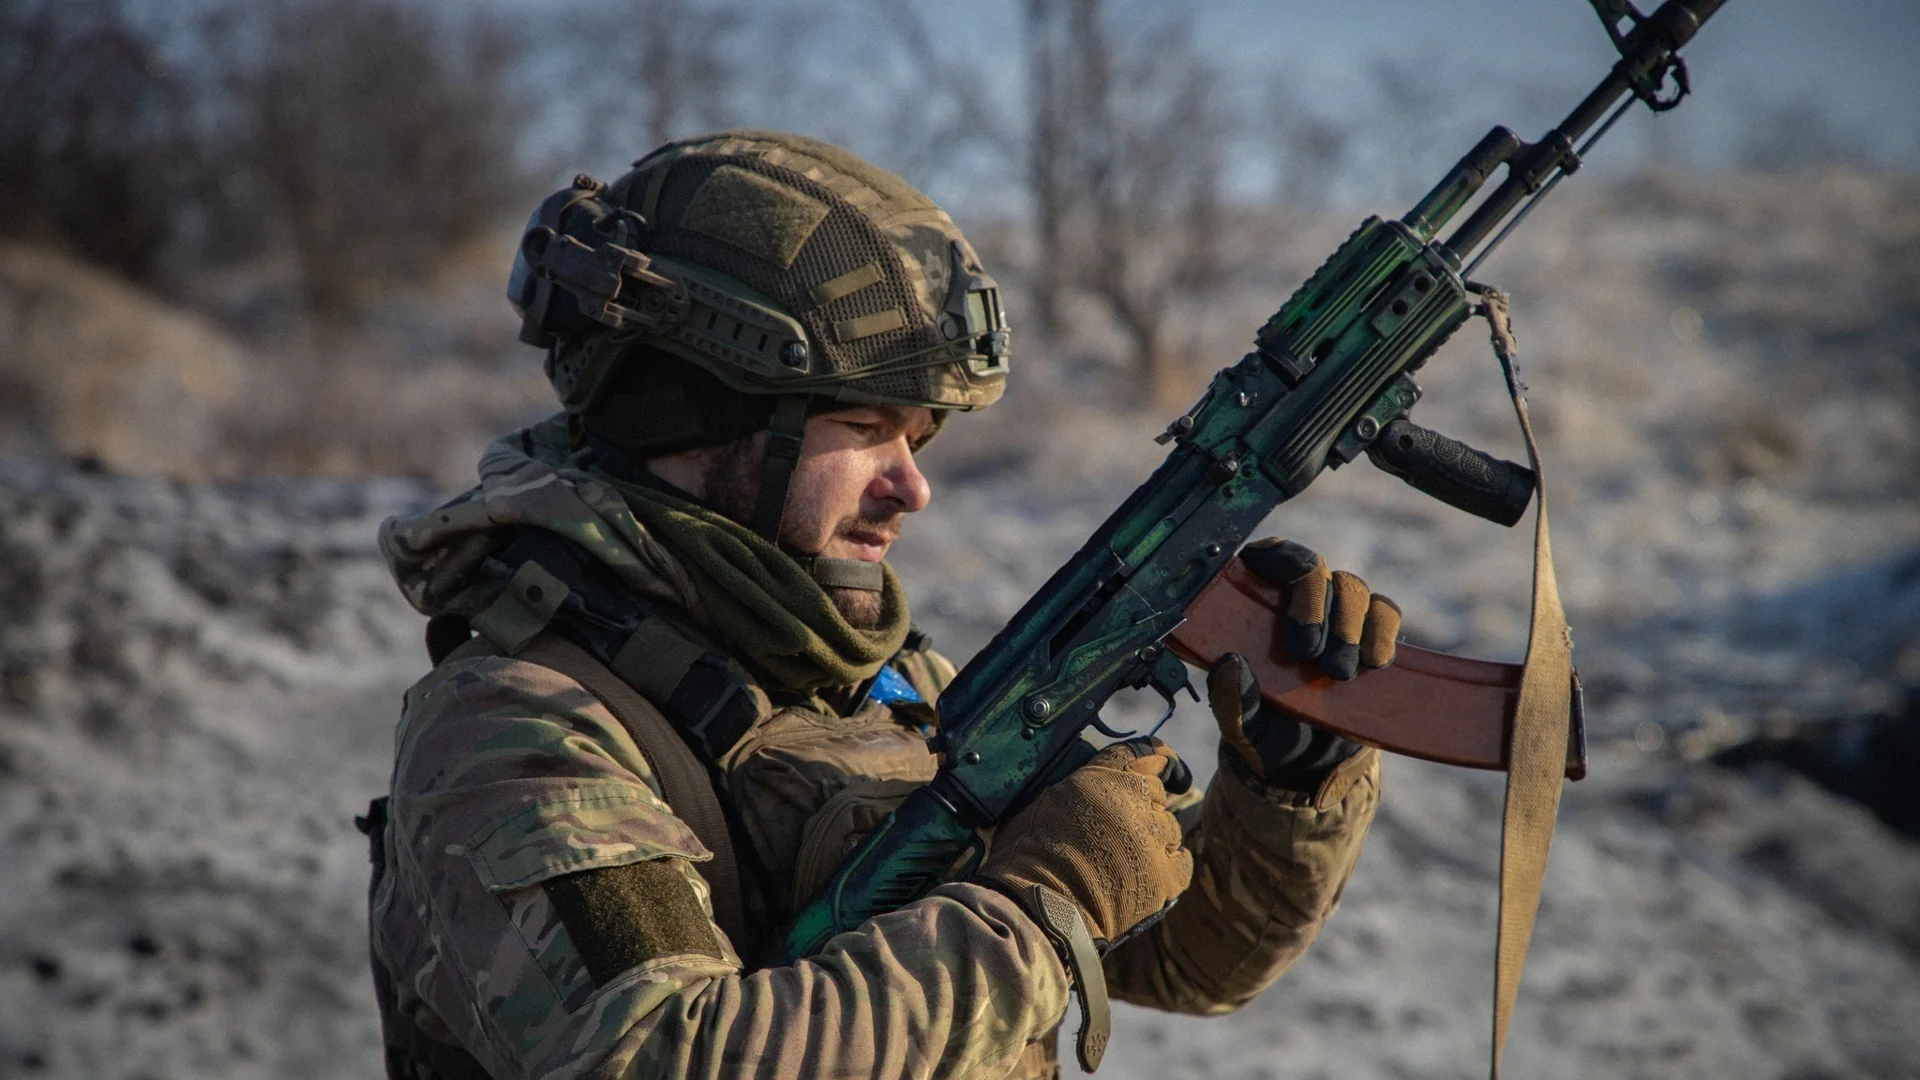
(886, 527)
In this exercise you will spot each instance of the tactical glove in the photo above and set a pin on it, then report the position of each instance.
(1331, 617)
(1102, 838)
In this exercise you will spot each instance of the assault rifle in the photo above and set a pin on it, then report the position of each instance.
(1330, 378)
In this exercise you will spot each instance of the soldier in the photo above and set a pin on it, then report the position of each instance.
(676, 681)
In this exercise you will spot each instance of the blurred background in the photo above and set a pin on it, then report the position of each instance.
(252, 270)
(288, 221)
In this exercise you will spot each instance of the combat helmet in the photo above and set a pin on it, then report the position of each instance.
(783, 272)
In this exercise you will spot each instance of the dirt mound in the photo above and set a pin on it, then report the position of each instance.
(200, 684)
(95, 368)
(196, 689)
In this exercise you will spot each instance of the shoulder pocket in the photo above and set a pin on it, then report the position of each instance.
(594, 825)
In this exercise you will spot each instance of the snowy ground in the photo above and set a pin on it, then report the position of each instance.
(197, 686)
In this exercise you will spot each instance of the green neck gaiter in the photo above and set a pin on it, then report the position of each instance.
(761, 603)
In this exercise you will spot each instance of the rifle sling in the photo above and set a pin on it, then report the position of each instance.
(1537, 750)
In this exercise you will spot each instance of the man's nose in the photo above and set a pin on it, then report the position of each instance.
(902, 482)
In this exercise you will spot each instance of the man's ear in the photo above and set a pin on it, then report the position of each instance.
(687, 470)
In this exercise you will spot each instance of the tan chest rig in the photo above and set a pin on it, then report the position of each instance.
(806, 784)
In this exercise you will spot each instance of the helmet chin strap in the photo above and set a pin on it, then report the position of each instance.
(785, 433)
(831, 573)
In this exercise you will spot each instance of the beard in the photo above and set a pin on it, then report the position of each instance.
(860, 608)
(733, 488)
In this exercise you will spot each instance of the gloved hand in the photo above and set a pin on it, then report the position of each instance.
(1331, 617)
(1102, 838)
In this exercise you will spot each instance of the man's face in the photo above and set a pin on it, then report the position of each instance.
(856, 482)
(851, 491)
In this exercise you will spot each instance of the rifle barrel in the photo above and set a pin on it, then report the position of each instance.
(1649, 48)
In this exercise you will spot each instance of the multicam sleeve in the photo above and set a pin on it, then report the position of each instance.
(1269, 867)
(514, 786)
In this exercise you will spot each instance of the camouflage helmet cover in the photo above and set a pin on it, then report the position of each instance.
(806, 270)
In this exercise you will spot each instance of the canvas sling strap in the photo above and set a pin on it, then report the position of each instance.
(684, 782)
(1537, 742)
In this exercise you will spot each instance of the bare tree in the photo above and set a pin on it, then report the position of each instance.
(377, 137)
(96, 139)
(682, 66)
(1056, 91)
(945, 115)
(646, 71)
(1128, 130)
(1414, 105)
(1797, 136)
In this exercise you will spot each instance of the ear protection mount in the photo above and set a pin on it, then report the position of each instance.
(579, 268)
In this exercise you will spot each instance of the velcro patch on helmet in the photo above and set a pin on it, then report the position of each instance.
(865, 326)
(847, 284)
(759, 216)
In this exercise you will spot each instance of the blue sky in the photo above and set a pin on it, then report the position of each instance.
(832, 69)
(1858, 61)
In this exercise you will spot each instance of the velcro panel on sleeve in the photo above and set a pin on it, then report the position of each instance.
(623, 916)
(595, 825)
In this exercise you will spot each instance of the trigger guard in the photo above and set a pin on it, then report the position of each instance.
(1167, 678)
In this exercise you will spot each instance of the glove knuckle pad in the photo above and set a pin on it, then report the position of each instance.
(1104, 837)
(1378, 639)
(1280, 561)
(1350, 607)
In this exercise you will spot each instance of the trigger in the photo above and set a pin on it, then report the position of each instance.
(1170, 677)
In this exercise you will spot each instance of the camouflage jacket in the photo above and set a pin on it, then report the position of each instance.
(512, 783)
